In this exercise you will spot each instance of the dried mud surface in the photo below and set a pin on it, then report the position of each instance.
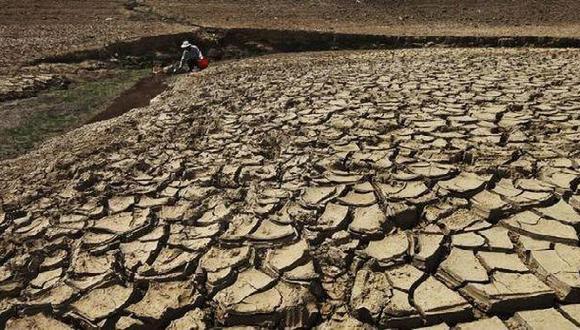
(390, 189)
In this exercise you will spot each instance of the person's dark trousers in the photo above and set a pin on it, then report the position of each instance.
(192, 64)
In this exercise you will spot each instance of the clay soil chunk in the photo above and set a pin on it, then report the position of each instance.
(36, 321)
(102, 302)
(462, 267)
(440, 326)
(533, 225)
(122, 223)
(562, 212)
(390, 250)
(499, 261)
(408, 190)
(385, 299)
(436, 302)
(497, 239)
(367, 220)
(333, 217)
(269, 231)
(291, 305)
(358, 199)
(219, 258)
(248, 282)
(405, 277)
(344, 321)
(137, 253)
(430, 249)
(575, 202)
(560, 269)
(510, 292)
(370, 293)
(314, 196)
(468, 240)
(127, 322)
(302, 274)
(163, 298)
(169, 263)
(489, 205)
(543, 319)
(571, 312)
(286, 258)
(464, 183)
(239, 227)
(493, 323)
(194, 319)
(120, 204)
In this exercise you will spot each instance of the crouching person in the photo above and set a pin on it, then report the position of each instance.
(190, 58)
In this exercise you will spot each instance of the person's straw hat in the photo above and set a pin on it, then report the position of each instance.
(186, 44)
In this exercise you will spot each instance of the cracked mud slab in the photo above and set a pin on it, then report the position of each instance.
(405, 189)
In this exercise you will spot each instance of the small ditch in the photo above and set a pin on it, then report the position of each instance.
(223, 44)
(135, 97)
(28, 121)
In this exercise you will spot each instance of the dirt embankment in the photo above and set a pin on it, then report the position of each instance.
(145, 33)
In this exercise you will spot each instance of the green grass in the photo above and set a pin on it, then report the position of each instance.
(91, 94)
(58, 111)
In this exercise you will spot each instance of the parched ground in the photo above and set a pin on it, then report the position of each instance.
(36, 30)
(355, 190)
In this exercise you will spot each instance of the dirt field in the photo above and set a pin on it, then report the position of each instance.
(392, 17)
(31, 29)
(406, 188)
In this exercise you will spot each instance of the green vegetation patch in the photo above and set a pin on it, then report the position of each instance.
(59, 111)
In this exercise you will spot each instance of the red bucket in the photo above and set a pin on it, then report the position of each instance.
(203, 63)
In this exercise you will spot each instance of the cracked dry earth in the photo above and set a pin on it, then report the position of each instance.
(390, 189)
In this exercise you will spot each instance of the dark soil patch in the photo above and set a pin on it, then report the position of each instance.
(135, 97)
